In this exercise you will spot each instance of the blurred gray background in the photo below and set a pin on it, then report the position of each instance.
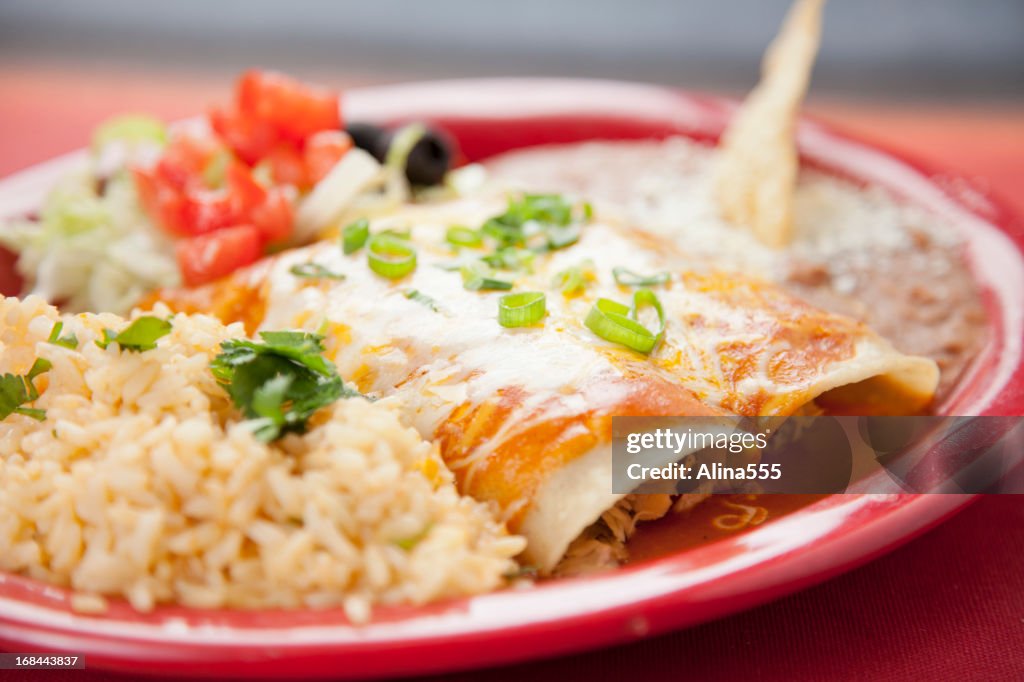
(953, 49)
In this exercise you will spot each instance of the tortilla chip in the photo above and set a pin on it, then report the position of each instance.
(756, 175)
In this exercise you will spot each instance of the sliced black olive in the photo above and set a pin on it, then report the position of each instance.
(428, 161)
(370, 138)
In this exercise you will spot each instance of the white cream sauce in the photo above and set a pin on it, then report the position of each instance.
(436, 361)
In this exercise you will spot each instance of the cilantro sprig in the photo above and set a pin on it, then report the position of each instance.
(17, 390)
(280, 382)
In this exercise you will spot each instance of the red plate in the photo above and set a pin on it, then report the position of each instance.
(803, 548)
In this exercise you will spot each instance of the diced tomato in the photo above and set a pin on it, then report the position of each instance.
(185, 159)
(294, 109)
(208, 210)
(323, 150)
(243, 187)
(164, 203)
(275, 217)
(199, 191)
(286, 165)
(146, 186)
(185, 213)
(211, 256)
(247, 136)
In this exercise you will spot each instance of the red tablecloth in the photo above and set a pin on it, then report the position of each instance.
(948, 605)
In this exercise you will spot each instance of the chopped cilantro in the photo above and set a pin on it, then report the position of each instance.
(280, 382)
(141, 335)
(16, 391)
(108, 337)
(69, 341)
(40, 366)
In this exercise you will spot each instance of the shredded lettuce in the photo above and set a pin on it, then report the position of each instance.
(130, 129)
(90, 251)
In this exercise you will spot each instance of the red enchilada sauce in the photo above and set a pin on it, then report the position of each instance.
(716, 518)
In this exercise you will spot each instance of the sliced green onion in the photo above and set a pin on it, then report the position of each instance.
(355, 235)
(559, 237)
(646, 297)
(69, 341)
(588, 211)
(458, 235)
(391, 256)
(548, 218)
(131, 128)
(631, 279)
(420, 297)
(315, 271)
(504, 233)
(573, 281)
(616, 322)
(405, 234)
(478, 276)
(544, 208)
(401, 145)
(521, 309)
(510, 258)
